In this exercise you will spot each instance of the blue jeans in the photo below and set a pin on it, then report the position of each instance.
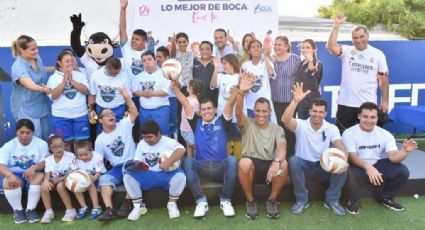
(300, 170)
(224, 171)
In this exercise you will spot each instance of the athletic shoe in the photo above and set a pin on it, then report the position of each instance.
(200, 210)
(70, 215)
(299, 207)
(336, 208)
(32, 216)
(173, 210)
(272, 211)
(251, 210)
(108, 214)
(19, 216)
(82, 212)
(227, 208)
(137, 211)
(95, 213)
(391, 204)
(125, 208)
(352, 207)
(47, 217)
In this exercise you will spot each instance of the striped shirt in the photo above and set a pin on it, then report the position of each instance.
(282, 85)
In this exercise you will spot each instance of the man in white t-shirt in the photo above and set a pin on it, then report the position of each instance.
(116, 144)
(223, 44)
(158, 170)
(375, 158)
(364, 68)
(314, 136)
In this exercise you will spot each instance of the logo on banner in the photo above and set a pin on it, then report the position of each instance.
(262, 9)
(144, 10)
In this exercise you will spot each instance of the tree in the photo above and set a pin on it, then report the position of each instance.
(405, 17)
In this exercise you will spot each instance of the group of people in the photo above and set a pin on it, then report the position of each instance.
(236, 111)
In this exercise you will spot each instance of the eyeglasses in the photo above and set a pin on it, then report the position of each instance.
(107, 114)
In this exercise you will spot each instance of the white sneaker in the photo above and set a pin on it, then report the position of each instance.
(201, 209)
(70, 214)
(227, 208)
(138, 210)
(173, 211)
(47, 217)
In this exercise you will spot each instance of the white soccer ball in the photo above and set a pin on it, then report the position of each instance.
(334, 160)
(78, 181)
(172, 69)
(227, 90)
(165, 155)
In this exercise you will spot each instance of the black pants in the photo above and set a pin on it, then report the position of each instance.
(280, 108)
(346, 117)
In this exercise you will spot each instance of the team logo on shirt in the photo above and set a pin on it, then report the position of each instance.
(136, 66)
(107, 92)
(257, 84)
(147, 85)
(69, 91)
(151, 158)
(59, 173)
(117, 147)
(24, 162)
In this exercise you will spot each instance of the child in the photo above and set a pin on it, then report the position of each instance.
(92, 163)
(195, 90)
(56, 169)
(225, 83)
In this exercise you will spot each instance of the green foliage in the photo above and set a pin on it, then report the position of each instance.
(405, 17)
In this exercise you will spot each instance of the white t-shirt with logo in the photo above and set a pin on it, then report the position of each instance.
(359, 79)
(369, 146)
(70, 99)
(155, 82)
(150, 154)
(310, 144)
(223, 82)
(131, 60)
(19, 158)
(61, 168)
(105, 88)
(92, 166)
(117, 146)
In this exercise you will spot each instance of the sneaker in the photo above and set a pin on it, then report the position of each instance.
(137, 211)
(391, 204)
(19, 216)
(125, 209)
(173, 211)
(108, 214)
(272, 211)
(336, 208)
(251, 210)
(95, 213)
(82, 212)
(70, 215)
(299, 207)
(47, 217)
(227, 208)
(200, 210)
(352, 207)
(32, 216)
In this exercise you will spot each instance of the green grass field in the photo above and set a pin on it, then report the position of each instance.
(372, 216)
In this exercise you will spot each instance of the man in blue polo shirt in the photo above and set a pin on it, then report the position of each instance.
(211, 158)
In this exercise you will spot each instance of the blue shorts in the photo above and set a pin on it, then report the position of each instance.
(71, 128)
(26, 184)
(154, 180)
(250, 113)
(119, 114)
(160, 115)
(189, 137)
(113, 177)
(173, 114)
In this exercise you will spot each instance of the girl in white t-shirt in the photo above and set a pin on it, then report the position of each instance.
(225, 84)
(69, 108)
(56, 169)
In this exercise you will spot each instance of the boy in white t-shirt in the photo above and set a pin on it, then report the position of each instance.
(92, 163)
(157, 170)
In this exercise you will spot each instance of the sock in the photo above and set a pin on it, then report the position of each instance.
(14, 198)
(34, 192)
(49, 210)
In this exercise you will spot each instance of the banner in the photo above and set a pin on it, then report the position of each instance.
(199, 19)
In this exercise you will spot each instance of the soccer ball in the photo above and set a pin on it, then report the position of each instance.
(164, 156)
(172, 69)
(78, 181)
(333, 160)
(229, 87)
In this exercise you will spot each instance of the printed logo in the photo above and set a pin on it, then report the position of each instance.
(69, 91)
(107, 92)
(257, 84)
(117, 147)
(151, 158)
(147, 85)
(136, 66)
(24, 162)
(144, 10)
(262, 9)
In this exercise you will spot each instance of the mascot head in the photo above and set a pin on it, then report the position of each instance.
(100, 47)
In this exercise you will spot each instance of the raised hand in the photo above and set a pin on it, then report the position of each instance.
(246, 81)
(123, 4)
(340, 18)
(409, 145)
(298, 94)
(216, 62)
(124, 92)
(77, 21)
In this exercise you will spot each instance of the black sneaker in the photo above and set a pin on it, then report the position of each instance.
(32, 216)
(19, 216)
(125, 209)
(251, 210)
(108, 214)
(391, 204)
(272, 211)
(352, 207)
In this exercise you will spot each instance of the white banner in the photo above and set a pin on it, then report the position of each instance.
(200, 18)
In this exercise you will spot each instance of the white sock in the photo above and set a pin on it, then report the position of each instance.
(34, 193)
(14, 198)
(49, 210)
